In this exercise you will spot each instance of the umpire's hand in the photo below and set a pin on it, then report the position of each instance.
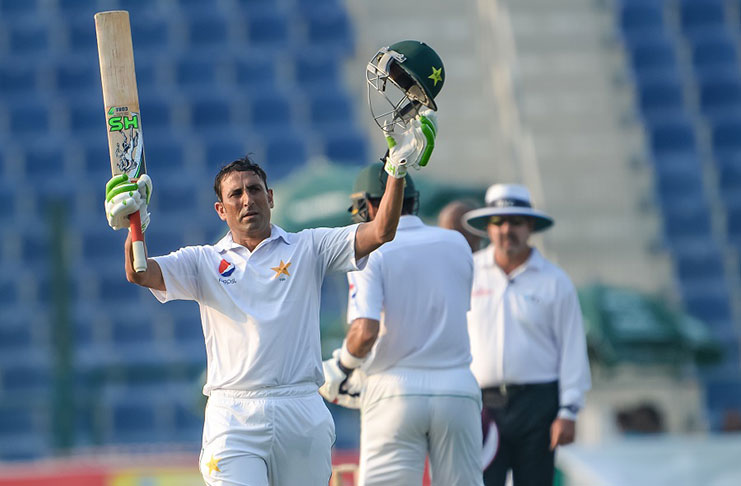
(562, 432)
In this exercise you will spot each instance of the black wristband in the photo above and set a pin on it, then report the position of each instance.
(344, 368)
(571, 408)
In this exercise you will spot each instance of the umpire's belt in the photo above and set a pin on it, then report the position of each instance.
(496, 395)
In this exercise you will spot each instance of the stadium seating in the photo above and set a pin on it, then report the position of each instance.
(216, 80)
(685, 62)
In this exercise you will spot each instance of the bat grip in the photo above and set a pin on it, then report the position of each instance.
(137, 242)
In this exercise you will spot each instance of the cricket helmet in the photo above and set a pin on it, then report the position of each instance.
(371, 184)
(402, 78)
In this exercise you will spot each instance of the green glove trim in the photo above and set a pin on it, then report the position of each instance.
(391, 142)
(119, 189)
(429, 133)
(114, 182)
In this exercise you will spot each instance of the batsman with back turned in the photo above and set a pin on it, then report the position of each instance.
(405, 361)
(258, 290)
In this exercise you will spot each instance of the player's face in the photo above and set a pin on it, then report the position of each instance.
(245, 204)
(510, 233)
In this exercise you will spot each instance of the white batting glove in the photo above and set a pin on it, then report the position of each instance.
(124, 197)
(413, 146)
(342, 385)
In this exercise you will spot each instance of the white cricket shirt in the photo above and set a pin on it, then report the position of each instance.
(527, 327)
(418, 286)
(260, 309)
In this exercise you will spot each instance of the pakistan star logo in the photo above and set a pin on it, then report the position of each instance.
(281, 269)
(437, 75)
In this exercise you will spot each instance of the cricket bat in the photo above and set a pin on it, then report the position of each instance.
(121, 101)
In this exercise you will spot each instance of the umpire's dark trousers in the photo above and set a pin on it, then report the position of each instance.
(523, 415)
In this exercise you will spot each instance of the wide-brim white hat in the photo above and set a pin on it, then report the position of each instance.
(505, 200)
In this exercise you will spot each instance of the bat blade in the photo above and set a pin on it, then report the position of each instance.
(121, 101)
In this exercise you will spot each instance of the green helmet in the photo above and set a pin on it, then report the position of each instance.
(371, 184)
(417, 73)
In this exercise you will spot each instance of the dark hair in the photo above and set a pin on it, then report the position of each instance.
(240, 165)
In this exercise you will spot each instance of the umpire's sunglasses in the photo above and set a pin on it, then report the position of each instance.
(512, 220)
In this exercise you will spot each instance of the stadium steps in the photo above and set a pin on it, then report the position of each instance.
(587, 177)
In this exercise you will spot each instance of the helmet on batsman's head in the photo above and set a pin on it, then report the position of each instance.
(371, 184)
(407, 75)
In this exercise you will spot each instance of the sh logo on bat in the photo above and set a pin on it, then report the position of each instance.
(129, 147)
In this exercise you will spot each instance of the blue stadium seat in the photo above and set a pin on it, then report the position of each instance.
(133, 421)
(95, 155)
(347, 147)
(86, 117)
(195, 71)
(661, 97)
(16, 79)
(267, 30)
(221, 151)
(188, 426)
(12, 9)
(164, 155)
(101, 245)
(177, 198)
(330, 30)
(255, 71)
(635, 17)
(725, 136)
(211, 111)
(208, 30)
(687, 224)
(29, 37)
(330, 111)
(81, 37)
(694, 15)
(75, 76)
(316, 72)
(15, 337)
(133, 330)
(720, 93)
(30, 119)
(284, 154)
(707, 300)
(113, 288)
(270, 112)
(652, 53)
(156, 110)
(25, 378)
(734, 225)
(149, 34)
(704, 263)
(670, 136)
(714, 51)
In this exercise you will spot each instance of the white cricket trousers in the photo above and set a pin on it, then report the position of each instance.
(280, 436)
(396, 434)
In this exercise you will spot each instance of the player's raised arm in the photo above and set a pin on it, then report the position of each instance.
(151, 277)
(410, 148)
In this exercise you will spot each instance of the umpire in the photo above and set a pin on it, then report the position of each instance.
(527, 341)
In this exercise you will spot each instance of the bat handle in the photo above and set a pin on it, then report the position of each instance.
(137, 242)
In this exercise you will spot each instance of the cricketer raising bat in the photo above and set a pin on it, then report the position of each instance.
(121, 101)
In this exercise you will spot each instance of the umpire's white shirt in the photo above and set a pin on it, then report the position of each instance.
(260, 309)
(527, 327)
(418, 286)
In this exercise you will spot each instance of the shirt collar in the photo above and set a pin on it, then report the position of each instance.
(227, 242)
(534, 261)
(409, 221)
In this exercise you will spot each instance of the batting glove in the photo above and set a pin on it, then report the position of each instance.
(124, 197)
(413, 146)
(342, 385)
